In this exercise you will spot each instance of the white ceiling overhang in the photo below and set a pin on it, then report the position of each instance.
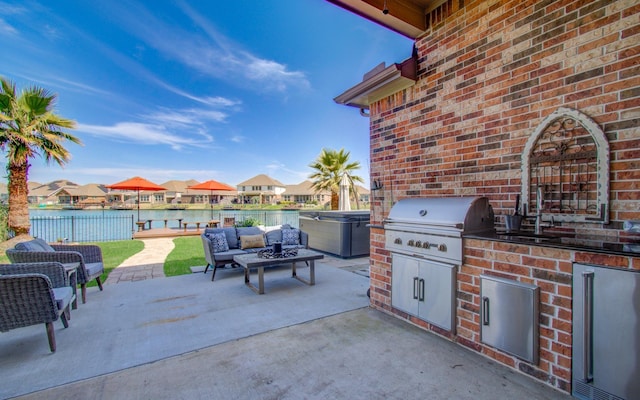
(381, 82)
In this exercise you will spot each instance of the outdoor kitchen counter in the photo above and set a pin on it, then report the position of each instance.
(592, 243)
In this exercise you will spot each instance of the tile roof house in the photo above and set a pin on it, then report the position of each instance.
(195, 196)
(261, 189)
(303, 193)
(69, 193)
(175, 191)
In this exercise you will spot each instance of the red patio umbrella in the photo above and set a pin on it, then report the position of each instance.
(136, 183)
(211, 185)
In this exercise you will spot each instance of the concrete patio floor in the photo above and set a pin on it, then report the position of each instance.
(186, 337)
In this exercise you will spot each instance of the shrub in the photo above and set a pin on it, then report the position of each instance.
(248, 222)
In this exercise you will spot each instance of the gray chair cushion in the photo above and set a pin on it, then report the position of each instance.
(94, 269)
(63, 296)
(34, 245)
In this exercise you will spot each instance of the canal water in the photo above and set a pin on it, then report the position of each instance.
(108, 224)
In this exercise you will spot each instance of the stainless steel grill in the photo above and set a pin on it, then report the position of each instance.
(424, 236)
(433, 227)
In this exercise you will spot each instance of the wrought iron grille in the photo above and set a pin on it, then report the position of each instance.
(566, 161)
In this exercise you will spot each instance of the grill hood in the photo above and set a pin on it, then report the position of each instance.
(466, 214)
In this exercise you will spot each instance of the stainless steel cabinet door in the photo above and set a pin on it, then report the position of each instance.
(404, 284)
(509, 316)
(438, 284)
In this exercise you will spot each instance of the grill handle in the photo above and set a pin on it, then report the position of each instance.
(421, 290)
(415, 288)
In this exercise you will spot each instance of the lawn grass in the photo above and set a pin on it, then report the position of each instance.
(188, 252)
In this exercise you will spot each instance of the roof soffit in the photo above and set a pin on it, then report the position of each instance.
(407, 17)
(380, 83)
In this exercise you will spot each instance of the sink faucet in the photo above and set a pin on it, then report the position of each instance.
(539, 206)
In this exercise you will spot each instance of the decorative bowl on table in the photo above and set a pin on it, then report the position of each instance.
(269, 253)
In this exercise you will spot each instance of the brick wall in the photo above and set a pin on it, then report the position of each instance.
(489, 72)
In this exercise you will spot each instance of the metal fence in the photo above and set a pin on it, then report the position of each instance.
(82, 228)
(262, 217)
(104, 228)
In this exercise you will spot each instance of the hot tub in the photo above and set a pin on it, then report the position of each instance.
(342, 233)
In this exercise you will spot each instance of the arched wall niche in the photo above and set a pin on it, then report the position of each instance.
(566, 162)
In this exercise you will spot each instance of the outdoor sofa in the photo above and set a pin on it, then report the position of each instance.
(88, 257)
(221, 244)
(34, 293)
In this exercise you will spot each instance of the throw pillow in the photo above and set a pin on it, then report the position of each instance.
(290, 236)
(274, 236)
(219, 242)
(251, 241)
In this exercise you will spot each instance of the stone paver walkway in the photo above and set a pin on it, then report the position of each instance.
(147, 264)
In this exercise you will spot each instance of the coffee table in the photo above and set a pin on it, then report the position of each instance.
(251, 261)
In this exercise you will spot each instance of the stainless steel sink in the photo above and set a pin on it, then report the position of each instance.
(530, 236)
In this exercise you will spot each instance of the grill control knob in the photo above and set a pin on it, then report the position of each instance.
(411, 243)
(418, 243)
(397, 241)
(426, 245)
(442, 247)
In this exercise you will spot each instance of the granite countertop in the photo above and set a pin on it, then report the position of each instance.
(597, 244)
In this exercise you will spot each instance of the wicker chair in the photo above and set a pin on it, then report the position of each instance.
(32, 294)
(88, 257)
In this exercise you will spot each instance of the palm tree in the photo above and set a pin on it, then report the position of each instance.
(329, 168)
(29, 127)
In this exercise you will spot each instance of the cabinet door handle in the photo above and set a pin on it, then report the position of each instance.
(421, 290)
(485, 311)
(415, 288)
(587, 327)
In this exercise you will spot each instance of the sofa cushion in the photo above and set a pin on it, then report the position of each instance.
(249, 230)
(251, 241)
(228, 255)
(290, 236)
(219, 242)
(274, 236)
(34, 245)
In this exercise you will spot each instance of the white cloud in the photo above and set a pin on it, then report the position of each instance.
(213, 101)
(211, 53)
(144, 133)
(7, 29)
(111, 175)
(237, 138)
(278, 168)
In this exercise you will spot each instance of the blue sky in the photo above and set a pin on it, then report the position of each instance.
(219, 89)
